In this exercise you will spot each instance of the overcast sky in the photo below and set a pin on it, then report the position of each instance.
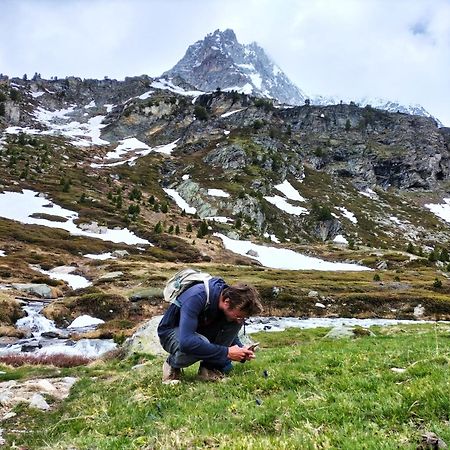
(395, 49)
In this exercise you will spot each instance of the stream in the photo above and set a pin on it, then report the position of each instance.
(47, 339)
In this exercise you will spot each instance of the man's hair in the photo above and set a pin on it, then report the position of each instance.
(244, 297)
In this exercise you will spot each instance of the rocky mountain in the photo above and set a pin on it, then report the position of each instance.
(378, 103)
(308, 173)
(220, 61)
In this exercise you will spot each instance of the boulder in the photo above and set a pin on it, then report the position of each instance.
(40, 290)
(110, 276)
(119, 253)
(150, 293)
(145, 339)
(38, 401)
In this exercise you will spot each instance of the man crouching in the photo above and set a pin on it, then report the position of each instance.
(205, 328)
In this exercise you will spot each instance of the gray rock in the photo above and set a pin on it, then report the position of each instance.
(93, 227)
(38, 401)
(110, 276)
(276, 291)
(252, 253)
(231, 157)
(40, 290)
(145, 339)
(382, 265)
(313, 294)
(432, 441)
(147, 294)
(419, 311)
(119, 253)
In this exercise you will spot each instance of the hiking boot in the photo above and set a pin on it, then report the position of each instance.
(170, 374)
(205, 374)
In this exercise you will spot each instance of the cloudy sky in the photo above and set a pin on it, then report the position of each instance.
(395, 49)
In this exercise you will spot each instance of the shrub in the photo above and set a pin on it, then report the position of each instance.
(376, 277)
(135, 194)
(203, 230)
(14, 95)
(321, 213)
(200, 112)
(437, 284)
(258, 124)
(443, 255)
(158, 228)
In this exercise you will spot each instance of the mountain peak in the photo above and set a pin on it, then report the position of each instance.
(219, 60)
(227, 35)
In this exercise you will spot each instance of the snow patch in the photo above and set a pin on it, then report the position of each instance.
(100, 256)
(289, 191)
(340, 239)
(218, 193)
(280, 258)
(169, 86)
(65, 273)
(21, 205)
(85, 321)
(347, 214)
(229, 113)
(441, 210)
(180, 201)
(282, 204)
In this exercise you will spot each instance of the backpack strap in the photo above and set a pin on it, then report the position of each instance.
(206, 283)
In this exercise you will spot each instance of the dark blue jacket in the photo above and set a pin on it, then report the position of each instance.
(193, 317)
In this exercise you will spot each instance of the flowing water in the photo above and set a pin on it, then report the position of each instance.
(47, 339)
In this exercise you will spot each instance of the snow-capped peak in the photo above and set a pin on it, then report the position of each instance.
(219, 60)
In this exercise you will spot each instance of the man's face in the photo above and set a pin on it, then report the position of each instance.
(233, 314)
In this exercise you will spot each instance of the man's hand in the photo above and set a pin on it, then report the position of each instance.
(236, 353)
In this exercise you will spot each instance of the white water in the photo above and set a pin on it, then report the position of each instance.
(38, 324)
(256, 324)
(35, 321)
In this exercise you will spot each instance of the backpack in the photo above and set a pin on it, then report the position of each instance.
(183, 280)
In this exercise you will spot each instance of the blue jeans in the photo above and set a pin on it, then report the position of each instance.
(177, 359)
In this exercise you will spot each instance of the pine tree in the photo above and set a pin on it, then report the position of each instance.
(444, 255)
(177, 230)
(203, 230)
(158, 228)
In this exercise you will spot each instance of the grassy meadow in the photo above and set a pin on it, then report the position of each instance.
(302, 392)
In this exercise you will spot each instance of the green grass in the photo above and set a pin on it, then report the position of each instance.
(318, 394)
